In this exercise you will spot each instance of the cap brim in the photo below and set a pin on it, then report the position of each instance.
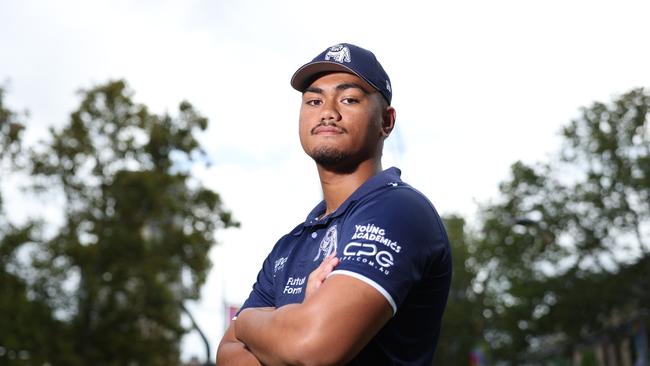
(304, 75)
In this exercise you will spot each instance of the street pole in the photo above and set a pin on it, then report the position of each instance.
(208, 355)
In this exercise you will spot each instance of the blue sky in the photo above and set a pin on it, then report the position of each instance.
(477, 85)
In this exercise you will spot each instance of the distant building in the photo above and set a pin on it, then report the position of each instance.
(230, 312)
(625, 345)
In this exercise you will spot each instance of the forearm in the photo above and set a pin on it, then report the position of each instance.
(329, 327)
(287, 335)
(232, 352)
(236, 354)
(278, 337)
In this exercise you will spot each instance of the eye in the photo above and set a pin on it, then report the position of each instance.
(349, 100)
(314, 102)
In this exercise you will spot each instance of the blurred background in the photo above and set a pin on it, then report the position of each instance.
(149, 160)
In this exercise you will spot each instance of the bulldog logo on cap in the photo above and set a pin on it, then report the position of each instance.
(338, 53)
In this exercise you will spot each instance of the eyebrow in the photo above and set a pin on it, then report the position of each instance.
(344, 86)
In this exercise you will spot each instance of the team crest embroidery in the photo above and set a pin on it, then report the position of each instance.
(328, 244)
(338, 53)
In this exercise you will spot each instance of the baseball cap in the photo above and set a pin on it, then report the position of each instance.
(345, 57)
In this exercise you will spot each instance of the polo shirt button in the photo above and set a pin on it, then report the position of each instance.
(314, 235)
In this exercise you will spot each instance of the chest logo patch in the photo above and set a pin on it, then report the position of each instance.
(328, 244)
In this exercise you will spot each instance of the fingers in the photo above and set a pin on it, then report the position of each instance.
(318, 276)
(325, 268)
(328, 265)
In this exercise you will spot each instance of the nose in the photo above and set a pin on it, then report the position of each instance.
(330, 112)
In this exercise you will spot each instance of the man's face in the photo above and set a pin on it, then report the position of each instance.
(341, 120)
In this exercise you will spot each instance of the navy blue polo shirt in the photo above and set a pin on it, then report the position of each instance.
(386, 234)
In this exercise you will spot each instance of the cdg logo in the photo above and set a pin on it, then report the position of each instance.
(383, 258)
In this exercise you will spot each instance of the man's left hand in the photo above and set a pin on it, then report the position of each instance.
(318, 276)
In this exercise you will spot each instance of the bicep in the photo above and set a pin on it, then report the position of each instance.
(329, 327)
(347, 313)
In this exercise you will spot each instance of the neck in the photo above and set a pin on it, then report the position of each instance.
(338, 186)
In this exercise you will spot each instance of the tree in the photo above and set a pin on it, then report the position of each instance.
(23, 317)
(137, 229)
(11, 129)
(462, 326)
(563, 252)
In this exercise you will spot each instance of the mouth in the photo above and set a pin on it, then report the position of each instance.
(327, 130)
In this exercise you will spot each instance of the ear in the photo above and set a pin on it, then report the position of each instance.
(388, 121)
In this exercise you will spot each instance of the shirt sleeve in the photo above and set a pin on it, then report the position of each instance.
(390, 241)
(262, 294)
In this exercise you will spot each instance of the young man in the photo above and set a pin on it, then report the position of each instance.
(364, 280)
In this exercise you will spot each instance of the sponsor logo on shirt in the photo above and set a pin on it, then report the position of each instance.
(294, 285)
(382, 257)
(372, 232)
(371, 245)
(279, 265)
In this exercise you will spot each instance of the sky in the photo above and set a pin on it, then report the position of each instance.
(477, 86)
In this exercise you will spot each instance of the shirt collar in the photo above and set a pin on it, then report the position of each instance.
(390, 176)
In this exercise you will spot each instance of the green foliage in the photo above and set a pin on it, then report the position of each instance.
(136, 235)
(462, 325)
(563, 253)
(11, 129)
(22, 316)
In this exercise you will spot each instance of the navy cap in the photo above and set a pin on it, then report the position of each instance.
(347, 58)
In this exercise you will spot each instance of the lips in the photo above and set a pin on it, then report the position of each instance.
(327, 130)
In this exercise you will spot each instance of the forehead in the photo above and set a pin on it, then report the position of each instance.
(331, 81)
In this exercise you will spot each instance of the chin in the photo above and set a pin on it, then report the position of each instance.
(329, 156)
(335, 160)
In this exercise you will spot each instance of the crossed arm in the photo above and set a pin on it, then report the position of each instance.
(336, 320)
